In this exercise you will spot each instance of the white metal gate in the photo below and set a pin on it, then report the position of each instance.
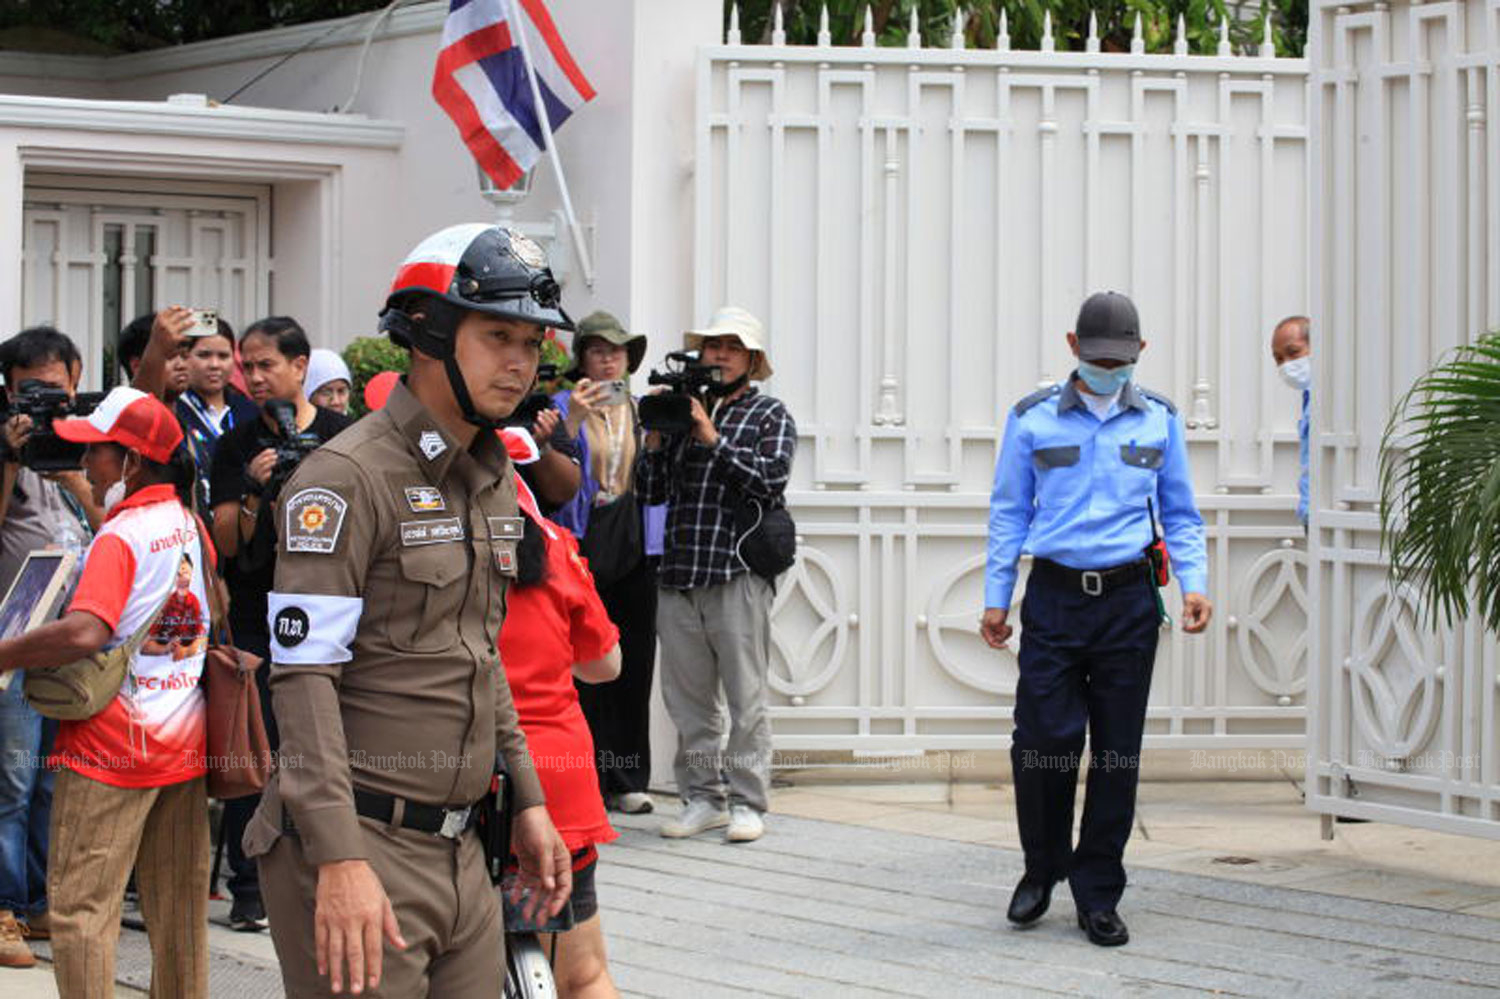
(918, 227)
(99, 251)
(1406, 242)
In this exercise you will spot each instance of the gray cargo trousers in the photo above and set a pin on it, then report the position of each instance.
(713, 639)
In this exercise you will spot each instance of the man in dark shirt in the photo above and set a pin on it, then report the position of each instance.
(247, 473)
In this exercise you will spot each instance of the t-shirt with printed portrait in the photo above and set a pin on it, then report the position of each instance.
(152, 734)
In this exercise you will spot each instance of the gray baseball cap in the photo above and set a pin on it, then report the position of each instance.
(1108, 328)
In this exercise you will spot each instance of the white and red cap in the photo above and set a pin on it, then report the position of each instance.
(130, 418)
(379, 388)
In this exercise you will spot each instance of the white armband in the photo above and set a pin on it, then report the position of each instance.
(312, 629)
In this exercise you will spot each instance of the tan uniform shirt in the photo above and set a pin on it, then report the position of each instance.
(395, 547)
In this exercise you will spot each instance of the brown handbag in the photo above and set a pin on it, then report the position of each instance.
(238, 751)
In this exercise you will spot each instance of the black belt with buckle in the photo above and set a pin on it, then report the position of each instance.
(1094, 582)
(450, 823)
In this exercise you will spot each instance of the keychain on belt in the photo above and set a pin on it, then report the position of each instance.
(1161, 564)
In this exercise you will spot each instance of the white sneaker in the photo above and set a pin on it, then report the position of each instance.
(634, 803)
(745, 824)
(699, 816)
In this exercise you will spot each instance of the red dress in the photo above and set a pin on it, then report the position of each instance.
(548, 627)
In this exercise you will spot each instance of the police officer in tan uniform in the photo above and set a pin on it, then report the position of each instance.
(397, 538)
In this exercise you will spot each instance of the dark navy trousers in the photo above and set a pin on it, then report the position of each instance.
(1085, 669)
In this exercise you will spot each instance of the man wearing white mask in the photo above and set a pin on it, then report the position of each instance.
(1291, 348)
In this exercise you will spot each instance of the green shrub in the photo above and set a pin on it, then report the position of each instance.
(891, 20)
(368, 356)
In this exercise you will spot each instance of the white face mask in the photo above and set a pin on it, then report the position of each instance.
(1297, 373)
(116, 492)
(113, 495)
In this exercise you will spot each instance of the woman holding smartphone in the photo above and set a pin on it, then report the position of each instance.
(622, 542)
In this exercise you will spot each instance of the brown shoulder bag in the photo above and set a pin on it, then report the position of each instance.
(238, 751)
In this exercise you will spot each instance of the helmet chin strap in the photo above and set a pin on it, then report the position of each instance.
(461, 394)
(435, 345)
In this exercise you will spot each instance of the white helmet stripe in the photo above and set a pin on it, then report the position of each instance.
(446, 246)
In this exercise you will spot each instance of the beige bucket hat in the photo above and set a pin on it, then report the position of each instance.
(731, 320)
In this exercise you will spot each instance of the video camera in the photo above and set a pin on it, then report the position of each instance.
(687, 378)
(290, 444)
(532, 406)
(44, 451)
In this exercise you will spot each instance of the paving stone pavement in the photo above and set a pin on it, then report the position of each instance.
(820, 908)
(827, 909)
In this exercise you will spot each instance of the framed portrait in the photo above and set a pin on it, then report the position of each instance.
(35, 596)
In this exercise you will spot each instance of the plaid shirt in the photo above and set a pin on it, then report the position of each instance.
(703, 485)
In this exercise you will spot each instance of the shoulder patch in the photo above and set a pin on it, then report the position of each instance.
(314, 518)
(1038, 396)
(1157, 397)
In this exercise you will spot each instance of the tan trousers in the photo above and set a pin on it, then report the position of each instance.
(99, 832)
(444, 904)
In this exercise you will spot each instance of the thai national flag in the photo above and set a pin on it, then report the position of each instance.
(481, 82)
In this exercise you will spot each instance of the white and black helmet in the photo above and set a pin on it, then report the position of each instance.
(475, 267)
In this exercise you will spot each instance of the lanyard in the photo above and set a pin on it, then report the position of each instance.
(615, 437)
(200, 409)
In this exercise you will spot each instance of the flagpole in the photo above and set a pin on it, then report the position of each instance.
(584, 262)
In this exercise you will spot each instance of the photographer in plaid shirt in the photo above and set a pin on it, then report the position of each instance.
(713, 618)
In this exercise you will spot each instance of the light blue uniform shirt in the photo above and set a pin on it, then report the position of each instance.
(1073, 489)
(1302, 455)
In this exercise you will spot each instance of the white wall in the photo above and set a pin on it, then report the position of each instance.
(639, 56)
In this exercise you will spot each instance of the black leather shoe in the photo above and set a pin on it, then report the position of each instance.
(1104, 928)
(1030, 900)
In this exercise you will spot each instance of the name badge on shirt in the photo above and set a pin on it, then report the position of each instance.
(506, 528)
(431, 532)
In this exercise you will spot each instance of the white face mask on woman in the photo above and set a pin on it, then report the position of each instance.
(113, 495)
(116, 492)
(1297, 372)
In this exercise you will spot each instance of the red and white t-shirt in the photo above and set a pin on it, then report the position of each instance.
(152, 733)
(548, 627)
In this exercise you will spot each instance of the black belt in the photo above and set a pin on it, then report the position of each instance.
(449, 823)
(1094, 582)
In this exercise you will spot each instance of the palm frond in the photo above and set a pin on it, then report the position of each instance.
(1440, 485)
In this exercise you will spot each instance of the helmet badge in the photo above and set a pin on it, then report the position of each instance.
(526, 250)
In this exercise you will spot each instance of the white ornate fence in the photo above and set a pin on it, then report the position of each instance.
(918, 227)
(1406, 238)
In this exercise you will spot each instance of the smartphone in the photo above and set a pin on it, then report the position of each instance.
(617, 393)
(205, 323)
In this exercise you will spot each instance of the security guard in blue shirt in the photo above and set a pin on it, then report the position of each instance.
(1084, 469)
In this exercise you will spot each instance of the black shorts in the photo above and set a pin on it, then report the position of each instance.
(585, 898)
